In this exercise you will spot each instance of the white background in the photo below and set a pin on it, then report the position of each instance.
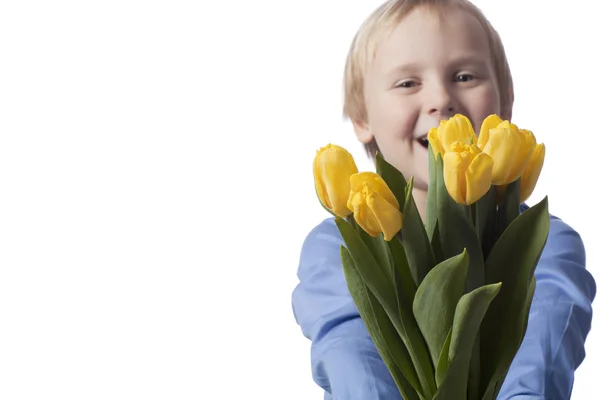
(156, 187)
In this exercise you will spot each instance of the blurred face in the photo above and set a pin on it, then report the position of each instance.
(426, 70)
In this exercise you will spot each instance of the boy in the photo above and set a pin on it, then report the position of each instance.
(412, 64)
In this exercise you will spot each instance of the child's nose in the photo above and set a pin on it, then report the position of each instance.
(440, 103)
(442, 112)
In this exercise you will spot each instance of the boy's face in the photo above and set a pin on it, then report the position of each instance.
(427, 70)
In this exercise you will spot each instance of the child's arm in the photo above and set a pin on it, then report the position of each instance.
(345, 361)
(559, 321)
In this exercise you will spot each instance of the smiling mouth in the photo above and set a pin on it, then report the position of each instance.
(422, 140)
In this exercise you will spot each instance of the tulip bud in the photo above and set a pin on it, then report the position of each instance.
(532, 172)
(467, 173)
(509, 147)
(456, 129)
(333, 165)
(376, 209)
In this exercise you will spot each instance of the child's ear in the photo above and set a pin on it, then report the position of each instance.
(363, 131)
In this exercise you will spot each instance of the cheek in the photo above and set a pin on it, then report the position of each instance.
(486, 103)
(393, 119)
(393, 131)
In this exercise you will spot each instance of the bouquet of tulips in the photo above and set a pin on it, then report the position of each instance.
(446, 297)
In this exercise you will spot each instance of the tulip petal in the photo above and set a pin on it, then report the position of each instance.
(375, 183)
(434, 141)
(388, 217)
(525, 150)
(322, 191)
(457, 129)
(454, 175)
(361, 214)
(490, 122)
(464, 126)
(501, 146)
(478, 178)
(319, 183)
(532, 172)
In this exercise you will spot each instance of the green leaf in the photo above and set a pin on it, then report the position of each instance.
(442, 364)
(394, 178)
(370, 270)
(457, 231)
(525, 320)
(402, 277)
(415, 239)
(436, 300)
(485, 220)
(498, 386)
(529, 301)
(512, 261)
(436, 245)
(431, 214)
(400, 313)
(475, 369)
(380, 251)
(470, 311)
(509, 209)
(386, 339)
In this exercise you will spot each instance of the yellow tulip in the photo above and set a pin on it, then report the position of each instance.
(532, 171)
(455, 129)
(467, 172)
(376, 209)
(332, 167)
(509, 147)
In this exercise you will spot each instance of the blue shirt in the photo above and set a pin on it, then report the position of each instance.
(346, 364)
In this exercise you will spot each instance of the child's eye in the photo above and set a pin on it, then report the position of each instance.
(464, 78)
(406, 84)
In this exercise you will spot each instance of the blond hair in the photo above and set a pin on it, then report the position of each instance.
(386, 18)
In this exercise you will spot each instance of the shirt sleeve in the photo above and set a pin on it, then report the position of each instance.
(559, 321)
(345, 361)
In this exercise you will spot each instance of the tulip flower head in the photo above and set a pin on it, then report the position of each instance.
(376, 209)
(332, 167)
(467, 172)
(509, 147)
(455, 129)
